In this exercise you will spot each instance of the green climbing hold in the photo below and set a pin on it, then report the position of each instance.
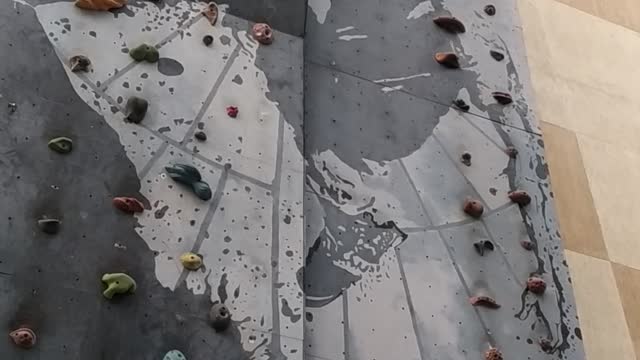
(202, 190)
(62, 145)
(145, 52)
(174, 355)
(118, 283)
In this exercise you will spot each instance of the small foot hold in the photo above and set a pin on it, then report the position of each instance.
(465, 158)
(79, 63)
(262, 33)
(496, 55)
(145, 52)
(520, 197)
(23, 337)
(536, 285)
(191, 261)
(527, 245)
(12, 107)
(511, 152)
(102, 5)
(484, 301)
(502, 98)
(490, 10)
(62, 145)
(136, 109)
(447, 59)
(461, 105)
(493, 354)
(450, 24)
(49, 226)
(211, 13)
(232, 111)
(174, 355)
(118, 283)
(200, 135)
(482, 246)
(546, 345)
(128, 204)
(473, 208)
(207, 40)
(219, 317)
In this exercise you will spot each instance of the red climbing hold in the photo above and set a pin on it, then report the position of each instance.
(502, 98)
(262, 33)
(23, 337)
(520, 197)
(485, 301)
(527, 245)
(473, 208)
(447, 59)
(450, 24)
(128, 204)
(536, 285)
(232, 111)
(493, 354)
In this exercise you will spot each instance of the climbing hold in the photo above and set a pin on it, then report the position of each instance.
(511, 152)
(103, 5)
(545, 345)
(502, 98)
(174, 355)
(483, 245)
(493, 354)
(450, 24)
(79, 63)
(498, 56)
(207, 40)
(12, 107)
(211, 13)
(485, 301)
(527, 244)
(191, 261)
(447, 59)
(145, 52)
(136, 109)
(202, 190)
(461, 104)
(232, 111)
(49, 226)
(200, 135)
(62, 145)
(118, 283)
(190, 176)
(536, 285)
(23, 337)
(219, 317)
(465, 158)
(520, 197)
(128, 204)
(473, 208)
(490, 10)
(262, 33)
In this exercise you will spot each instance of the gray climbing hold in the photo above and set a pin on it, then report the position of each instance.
(482, 246)
(200, 135)
(490, 10)
(49, 226)
(136, 109)
(219, 317)
(207, 40)
(79, 63)
(174, 355)
(465, 158)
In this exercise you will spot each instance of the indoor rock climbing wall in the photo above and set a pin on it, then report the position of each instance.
(248, 235)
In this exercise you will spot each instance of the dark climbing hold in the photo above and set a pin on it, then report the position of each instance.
(232, 111)
(191, 261)
(207, 40)
(490, 10)
(450, 24)
(62, 145)
(79, 63)
(49, 226)
(447, 59)
(128, 204)
(493, 354)
(118, 283)
(200, 135)
(527, 245)
(136, 109)
(498, 56)
(190, 176)
(219, 317)
(262, 33)
(536, 285)
(485, 301)
(511, 152)
(174, 355)
(483, 245)
(145, 52)
(545, 345)
(461, 104)
(502, 98)
(23, 337)
(520, 197)
(12, 107)
(211, 13)
(465, 158)
(473, 208)
(202, 190)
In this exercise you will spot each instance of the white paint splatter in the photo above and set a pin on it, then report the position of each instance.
(423, 8)
(320, 8)
(344, 29)
(387, 89)
(402, 78)
(352, 37)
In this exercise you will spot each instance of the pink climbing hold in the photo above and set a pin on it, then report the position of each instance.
(232, 111)
(483, 300)
(520, 197)
(262, 33)
(527, 244)
(23, 337)
(473, 208)
(536, 285)
(128, 204)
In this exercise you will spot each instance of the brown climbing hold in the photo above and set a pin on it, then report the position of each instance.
(128, 204)
(447, 59)
(465, 158)
(103, 5)
(23, 337)
(450, 24)
(485, 301)
(527, 245)
(211, 13)
(520, 197)
(473, 208)
(545, 345)
(536, 285)
(262, 33)
(511, 152)
(219, 317)
(490, 10)
(232, 111)
(493, 354)
(79, 63)
(502, 98)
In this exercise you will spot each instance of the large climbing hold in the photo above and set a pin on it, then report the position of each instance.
(174, 355)
(145, 52)
(23, 337)
(483, 300)
(473, 208)
(493, 354)
(136, 109)
(190, 176)
(79, 63)
(191, 261)
(219, 317)
(118, 283)
(447, 59)
(62, 145)
(128, 204)
(536, 285)
(450, 24)
(520, 197)
(262, 33)
(502, 98)
(102, 5)
(49, 226)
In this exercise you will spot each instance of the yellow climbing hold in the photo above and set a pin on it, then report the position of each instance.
(191, 261)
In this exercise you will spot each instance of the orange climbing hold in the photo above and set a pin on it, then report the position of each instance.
(448, 60)
(102, 5)
(128, 204)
